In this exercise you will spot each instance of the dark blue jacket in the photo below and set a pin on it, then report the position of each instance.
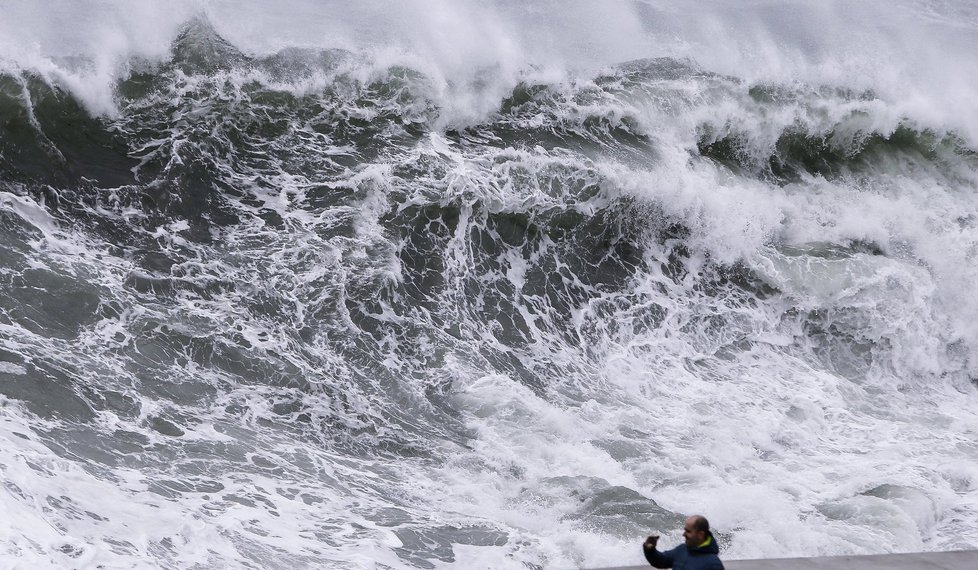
(683, 558)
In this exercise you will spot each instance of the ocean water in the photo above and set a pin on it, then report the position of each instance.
(498, 284)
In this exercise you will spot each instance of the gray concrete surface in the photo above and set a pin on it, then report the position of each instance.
(959, 560)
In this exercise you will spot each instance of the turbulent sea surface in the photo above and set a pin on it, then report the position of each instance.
(485, 284)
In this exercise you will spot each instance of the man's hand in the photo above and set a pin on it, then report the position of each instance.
(651, 542)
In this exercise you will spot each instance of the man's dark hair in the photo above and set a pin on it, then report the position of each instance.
(701, 524)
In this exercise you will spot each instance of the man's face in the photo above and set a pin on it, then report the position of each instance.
(693, 537)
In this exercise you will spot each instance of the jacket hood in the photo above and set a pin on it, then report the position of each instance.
(712, 548)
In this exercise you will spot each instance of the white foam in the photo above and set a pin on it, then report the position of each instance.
(720, 405)
(11, 368)
(474, 52)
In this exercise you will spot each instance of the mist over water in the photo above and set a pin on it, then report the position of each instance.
(468, 284)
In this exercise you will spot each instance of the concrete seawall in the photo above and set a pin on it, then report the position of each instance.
(957, 560)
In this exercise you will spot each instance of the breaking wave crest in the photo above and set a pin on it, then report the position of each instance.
(314, 308)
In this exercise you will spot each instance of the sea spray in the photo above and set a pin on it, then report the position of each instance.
(484, 284)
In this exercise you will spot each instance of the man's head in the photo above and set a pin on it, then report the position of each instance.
(695, 531)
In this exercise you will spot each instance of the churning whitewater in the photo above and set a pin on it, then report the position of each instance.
(485, 284)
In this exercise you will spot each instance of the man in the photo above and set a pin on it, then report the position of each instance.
(699, 552)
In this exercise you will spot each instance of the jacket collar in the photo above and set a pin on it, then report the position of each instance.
(709, 546)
